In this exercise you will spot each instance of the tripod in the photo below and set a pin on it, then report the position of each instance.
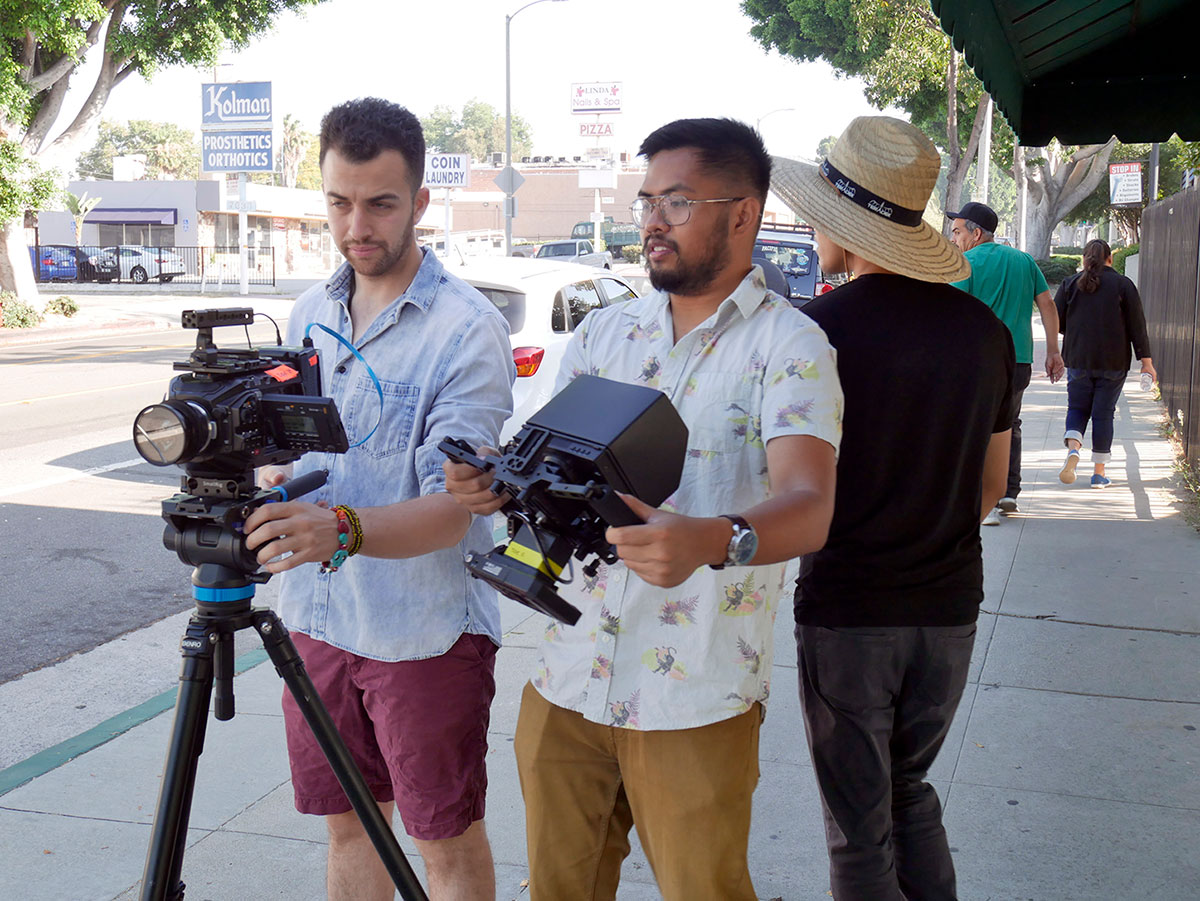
(223, 608)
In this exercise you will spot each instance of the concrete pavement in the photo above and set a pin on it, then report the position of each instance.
(1072, 771)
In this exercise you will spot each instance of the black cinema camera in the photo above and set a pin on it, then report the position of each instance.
(561, 473)
(232, 411)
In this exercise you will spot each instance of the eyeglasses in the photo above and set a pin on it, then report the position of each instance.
(675, 208)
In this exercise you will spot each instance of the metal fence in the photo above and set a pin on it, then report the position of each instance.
(1169, 282)
(142, 264)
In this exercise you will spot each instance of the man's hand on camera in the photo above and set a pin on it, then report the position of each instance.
(270, 476)
(472, 487)
(307, 531)
(668, 547)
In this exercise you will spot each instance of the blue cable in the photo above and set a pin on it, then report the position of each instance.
(370, 372)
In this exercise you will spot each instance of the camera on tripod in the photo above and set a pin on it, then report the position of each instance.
(232, 411)
(561, 474)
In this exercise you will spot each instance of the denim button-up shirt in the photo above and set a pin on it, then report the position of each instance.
(442, 356)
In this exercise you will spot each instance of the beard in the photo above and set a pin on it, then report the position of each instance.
(691, 277)
(393, 254)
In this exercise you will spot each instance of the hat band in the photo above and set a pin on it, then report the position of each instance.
(867, 200)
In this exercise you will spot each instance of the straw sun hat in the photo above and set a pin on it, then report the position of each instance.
(868, 196)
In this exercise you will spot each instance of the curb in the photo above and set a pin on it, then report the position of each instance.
(53, 757)
(22, 337)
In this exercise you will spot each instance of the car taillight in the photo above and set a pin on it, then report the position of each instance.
(824, 288)
(527, 360)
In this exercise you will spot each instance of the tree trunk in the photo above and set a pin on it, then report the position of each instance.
(16, 271)
(1040, 230)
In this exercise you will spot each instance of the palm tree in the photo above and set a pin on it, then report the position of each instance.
(295, 145)
(79, 207)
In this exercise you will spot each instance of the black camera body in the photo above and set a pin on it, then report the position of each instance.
(232, 411)
(237, 409)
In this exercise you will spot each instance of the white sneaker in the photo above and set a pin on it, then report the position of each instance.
(1008, 505)
(993, 518)
(1066, 475)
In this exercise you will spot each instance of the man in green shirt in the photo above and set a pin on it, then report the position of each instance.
(1009, 281)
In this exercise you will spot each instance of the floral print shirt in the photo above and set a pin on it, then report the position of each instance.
(643, 657)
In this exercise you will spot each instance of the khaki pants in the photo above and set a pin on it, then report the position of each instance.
(687, 790)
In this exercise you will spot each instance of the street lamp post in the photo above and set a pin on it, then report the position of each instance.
(508, 194)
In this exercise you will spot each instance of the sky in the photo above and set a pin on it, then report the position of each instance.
(674, 58)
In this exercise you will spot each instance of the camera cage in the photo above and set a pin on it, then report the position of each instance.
(561, 473)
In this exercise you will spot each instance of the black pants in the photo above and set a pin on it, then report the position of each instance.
(878, 703)
(1021, 377)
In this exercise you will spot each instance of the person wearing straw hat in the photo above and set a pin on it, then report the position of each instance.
(886, 611)
(1009, 281)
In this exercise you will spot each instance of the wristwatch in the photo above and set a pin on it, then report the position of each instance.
(742, 544)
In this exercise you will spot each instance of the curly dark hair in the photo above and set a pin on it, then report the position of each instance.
(361, 129)
(726, 147)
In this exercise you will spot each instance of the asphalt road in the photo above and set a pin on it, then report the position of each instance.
(80, 514)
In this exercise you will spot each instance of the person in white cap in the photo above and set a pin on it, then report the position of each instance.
(886, 611)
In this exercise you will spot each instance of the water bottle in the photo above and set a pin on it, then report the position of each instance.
(1147, 381)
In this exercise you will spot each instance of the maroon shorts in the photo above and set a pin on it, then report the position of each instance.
(416, 728)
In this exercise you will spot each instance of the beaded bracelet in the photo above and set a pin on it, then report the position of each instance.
(356, 532)
(343, 534)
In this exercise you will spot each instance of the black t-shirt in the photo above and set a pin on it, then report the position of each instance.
(927, 374)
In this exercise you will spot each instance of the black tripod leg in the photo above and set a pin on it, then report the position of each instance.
(290, 667)
(164, 862)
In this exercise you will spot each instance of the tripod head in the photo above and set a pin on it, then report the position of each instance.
(204, 530)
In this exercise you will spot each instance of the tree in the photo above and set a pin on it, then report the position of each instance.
(479, 131)
(79, 207)
(295, 146)
(170, 150)
(23, 186)
(905, 59)
(44, 41)
(308, 174)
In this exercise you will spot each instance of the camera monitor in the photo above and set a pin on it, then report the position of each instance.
(561, 473)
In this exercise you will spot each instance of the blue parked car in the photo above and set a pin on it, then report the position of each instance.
(53, 264)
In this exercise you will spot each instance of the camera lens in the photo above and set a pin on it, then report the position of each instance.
(171, 432)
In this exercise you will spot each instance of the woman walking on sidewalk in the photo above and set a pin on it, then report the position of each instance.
(1100, 315)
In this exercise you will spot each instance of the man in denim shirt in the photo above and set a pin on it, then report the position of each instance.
(398, 639)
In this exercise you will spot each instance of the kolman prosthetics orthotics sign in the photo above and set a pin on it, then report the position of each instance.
(239, 104)
(235, 126)
(236, 151)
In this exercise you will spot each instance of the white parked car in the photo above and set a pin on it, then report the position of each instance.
(576, 250)
(543, 302)
(140, 264)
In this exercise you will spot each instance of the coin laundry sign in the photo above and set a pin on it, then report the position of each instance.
(236, 104)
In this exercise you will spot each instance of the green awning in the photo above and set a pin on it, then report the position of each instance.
(1084, 70)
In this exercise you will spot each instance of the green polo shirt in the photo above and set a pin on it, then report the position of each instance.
(1007, 280)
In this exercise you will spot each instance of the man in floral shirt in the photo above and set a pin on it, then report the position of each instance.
(647, 711)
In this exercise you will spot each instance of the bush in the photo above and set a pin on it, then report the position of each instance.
(64, 305)
(16, 312)
(1120, 255)
(632, 253)
(1066, 251)
(1058, 268)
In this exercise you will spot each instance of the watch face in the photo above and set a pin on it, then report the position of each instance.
(743, 546)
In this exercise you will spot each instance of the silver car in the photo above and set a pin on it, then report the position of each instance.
(140, 264)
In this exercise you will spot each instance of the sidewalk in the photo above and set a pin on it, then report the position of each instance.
(1072, 771)
(110, 310)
